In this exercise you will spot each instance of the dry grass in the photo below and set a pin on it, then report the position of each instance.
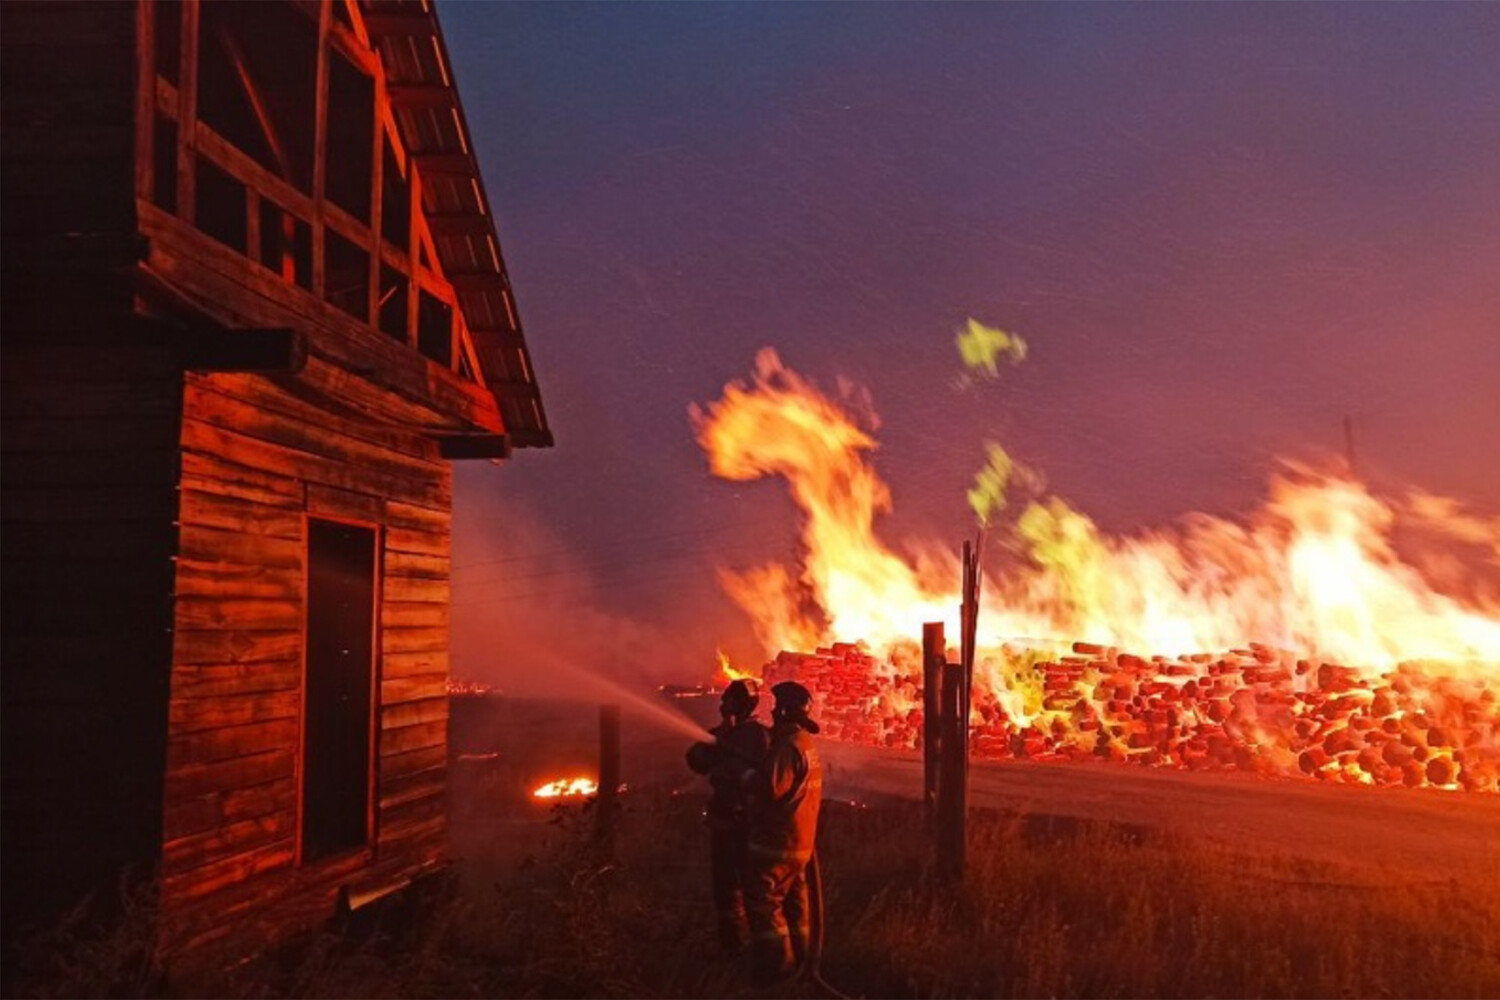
(1051, 907)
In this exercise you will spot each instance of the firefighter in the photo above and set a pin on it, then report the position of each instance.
(740, 743)
(785, 797)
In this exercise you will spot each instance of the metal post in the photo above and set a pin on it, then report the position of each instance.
(934, 654)
(607, 801)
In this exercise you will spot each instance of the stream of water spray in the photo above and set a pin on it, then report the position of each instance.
(641, 705)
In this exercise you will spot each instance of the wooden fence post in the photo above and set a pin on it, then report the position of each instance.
(934, 654)
(952, 782)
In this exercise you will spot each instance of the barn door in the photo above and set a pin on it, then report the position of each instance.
(337, 719)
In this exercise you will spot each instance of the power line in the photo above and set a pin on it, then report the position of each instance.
(619, 543)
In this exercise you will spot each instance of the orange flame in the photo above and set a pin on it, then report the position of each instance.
(564, 788)
(727, 671)
(1315, 570)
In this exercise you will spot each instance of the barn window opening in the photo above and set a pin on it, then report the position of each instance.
(347, 278)
(351, 138)
(435, 329)
(164, 163)
(338, 722)
(393, 303)
(395, 201)
(257, 80)
(285, 243)
(167, 35)
(219, 205)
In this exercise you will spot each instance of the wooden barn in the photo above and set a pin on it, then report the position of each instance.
(253, 308)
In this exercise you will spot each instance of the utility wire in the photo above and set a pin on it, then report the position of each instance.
(621, 543)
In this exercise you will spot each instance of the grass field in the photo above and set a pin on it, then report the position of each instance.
(1054, 905)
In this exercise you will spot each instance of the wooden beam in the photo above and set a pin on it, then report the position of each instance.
(377, 200)
(414, 252)
(474, 446)
(254, 99)
(422, 95)
(145, 98)
(320, 147)
(219, 349)
(187, 111)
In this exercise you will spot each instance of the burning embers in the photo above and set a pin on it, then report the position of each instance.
(567, 788)
(1255, 709)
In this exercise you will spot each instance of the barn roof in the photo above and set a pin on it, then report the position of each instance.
(428, 111)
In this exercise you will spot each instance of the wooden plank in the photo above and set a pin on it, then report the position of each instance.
(208, 509)
(414, 713)
(145, 98)
(249, 614)
(243, 482)
(419, 541)
(413, 640)
(394, 690)
(294, 431)
(412, 564)
(325, 501)
(216, 680)
(217, 809)
(320, 149)
(406, 835)
(421, 96)
(398, 765)
(428, 519)
(212, 579)
(216, 545)
(213, 745)
(219, 646)
(413, 25)
(413, 788)
(414, 663)
(417, 589)
(197, 850)
(217, 875)
(187, 111)
(445, 164)
(190, 715)
(256, 453)
(407, 738)
(408, 614)
(194, 780)
(276, 395)
(377, 202)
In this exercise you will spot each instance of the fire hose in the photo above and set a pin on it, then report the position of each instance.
(815, 929)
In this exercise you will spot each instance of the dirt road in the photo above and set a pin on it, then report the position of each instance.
(1418, 834)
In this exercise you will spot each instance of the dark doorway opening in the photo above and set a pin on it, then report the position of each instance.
(340, 669)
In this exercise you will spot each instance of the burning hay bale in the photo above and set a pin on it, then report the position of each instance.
(1254, 709)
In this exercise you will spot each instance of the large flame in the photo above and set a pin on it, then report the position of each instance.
(1314, 570)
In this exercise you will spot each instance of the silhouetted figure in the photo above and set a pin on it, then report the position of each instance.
(785, 797)
(739, 747)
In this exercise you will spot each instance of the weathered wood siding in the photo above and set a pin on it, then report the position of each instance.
(257, 460)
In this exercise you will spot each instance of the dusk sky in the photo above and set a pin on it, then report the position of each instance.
(1221, 228)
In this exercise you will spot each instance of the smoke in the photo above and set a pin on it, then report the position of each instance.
(528, 614)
